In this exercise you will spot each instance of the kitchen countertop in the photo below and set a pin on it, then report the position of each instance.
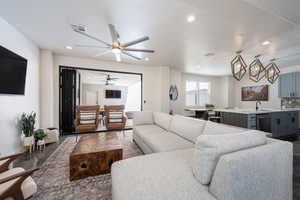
(253, 111)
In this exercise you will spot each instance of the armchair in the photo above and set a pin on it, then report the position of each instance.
(87, 118)
(114, 117)
(15, 183)
(6, 162)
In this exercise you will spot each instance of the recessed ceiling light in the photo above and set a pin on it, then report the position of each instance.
(147, 59)
(190, 18)
(69, 47)
(266, 43)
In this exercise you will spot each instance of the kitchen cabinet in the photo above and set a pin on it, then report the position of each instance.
(284, 123)
(297, 84)
(239, 119)
(289, 85)
(280, 123)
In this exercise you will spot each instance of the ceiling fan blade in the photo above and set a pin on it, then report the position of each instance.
(114, 35)
(135, 41)
(91, 46)
(118, 57)
(91, 37)
(139, 50)
(131, 56)
(102, 53)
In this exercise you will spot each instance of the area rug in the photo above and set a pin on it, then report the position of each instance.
(53, 177)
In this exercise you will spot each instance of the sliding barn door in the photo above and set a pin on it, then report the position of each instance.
(67, 100)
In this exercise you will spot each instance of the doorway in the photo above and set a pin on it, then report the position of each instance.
(83, 86)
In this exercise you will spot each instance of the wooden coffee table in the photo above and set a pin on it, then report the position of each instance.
(94, 154)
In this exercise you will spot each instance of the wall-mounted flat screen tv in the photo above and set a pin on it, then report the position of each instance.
(112, 94)
(12, 72)
(255, 93)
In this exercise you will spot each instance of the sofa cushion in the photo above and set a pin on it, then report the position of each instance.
(213, 128)
(87, 117)
(159, 140)
(142, 145)
(260, 173)
(147, 129)
(115, 116)
(163, 176)
(142, 118)
(162, 119)
(166, 141)
(209, 148)
(187, 127)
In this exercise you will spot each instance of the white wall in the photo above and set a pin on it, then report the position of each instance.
(152, 79)
(99, 90)
(46, 84)
(219, 89)
(12, 106)
(165, 86)
(134, 97)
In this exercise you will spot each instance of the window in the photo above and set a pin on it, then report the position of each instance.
(197, 93)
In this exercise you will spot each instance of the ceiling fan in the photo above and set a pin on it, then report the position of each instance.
(109, 80)
(116, 47)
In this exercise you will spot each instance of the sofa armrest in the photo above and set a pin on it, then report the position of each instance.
(7, 162)
(142, 118)
(15, 190)
(23, 175)
(260, 173)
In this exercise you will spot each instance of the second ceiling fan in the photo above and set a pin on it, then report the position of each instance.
(109, 80)
(116, 46)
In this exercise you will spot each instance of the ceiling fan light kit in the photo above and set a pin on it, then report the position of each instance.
(238, 67)
(116, 47)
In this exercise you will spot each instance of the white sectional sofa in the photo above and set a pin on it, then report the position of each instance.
(191, 159)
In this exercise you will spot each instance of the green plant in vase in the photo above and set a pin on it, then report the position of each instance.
(209, 106)
(27, 126)
(39, 134)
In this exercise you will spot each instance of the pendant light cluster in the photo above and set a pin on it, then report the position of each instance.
(257, 71)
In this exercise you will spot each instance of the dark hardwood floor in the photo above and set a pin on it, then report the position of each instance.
(37, 158)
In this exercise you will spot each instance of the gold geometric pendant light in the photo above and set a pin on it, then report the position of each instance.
(256, 70)
(272, 72)
(238, 67)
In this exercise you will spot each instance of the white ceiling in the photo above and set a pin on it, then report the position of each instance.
(221, 27)
(99, 78)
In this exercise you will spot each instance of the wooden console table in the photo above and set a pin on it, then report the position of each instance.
(94, 154)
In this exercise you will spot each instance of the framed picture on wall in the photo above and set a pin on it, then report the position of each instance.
(255, 93)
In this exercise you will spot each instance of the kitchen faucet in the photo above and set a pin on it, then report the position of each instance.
(257, 102)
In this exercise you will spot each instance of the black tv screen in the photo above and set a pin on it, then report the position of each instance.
(113, 94)
(12, 72)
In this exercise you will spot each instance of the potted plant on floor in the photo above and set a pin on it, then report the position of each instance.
(39, 135)
(27, 125)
